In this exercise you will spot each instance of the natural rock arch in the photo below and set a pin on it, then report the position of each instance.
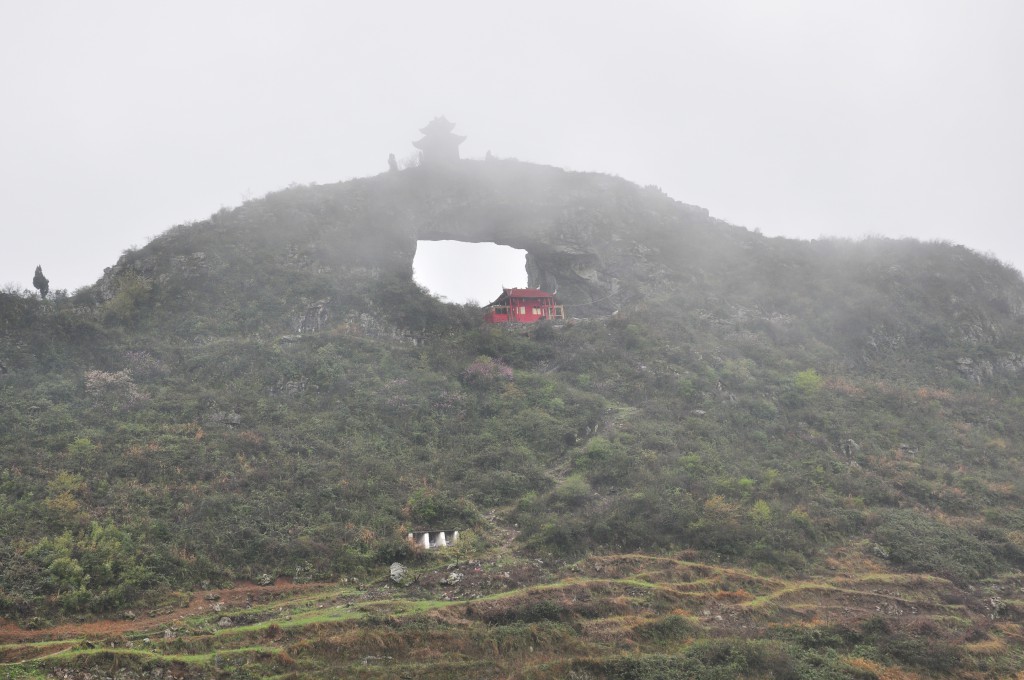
(581, 231)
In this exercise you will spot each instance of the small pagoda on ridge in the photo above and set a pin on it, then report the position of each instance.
(439, 145)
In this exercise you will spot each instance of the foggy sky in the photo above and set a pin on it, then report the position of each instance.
(801, 118)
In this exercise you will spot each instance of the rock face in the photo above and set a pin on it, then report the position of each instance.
(571, 226)
(313, 318)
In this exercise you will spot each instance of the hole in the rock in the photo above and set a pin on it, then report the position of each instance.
(468, 272)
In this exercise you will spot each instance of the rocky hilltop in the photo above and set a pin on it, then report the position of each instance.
(597, 239)
(604, 244)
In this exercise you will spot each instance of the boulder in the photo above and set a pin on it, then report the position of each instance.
(399, 574)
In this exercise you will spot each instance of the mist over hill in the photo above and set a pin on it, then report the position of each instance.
(268, 392)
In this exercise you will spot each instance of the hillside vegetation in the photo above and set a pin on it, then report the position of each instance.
(268, 393)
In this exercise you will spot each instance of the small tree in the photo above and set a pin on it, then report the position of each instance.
(41, 283)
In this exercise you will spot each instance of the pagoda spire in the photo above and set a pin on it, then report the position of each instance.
(439, 145)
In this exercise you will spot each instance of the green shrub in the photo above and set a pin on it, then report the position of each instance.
(430, 508)
(669, 629)
(533, 611)
(573, 492)
(921, 543)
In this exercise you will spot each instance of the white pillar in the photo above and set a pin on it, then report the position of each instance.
(426, 540)
(455, 537)
(440, 540)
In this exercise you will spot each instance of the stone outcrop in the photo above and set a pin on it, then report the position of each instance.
(571, 226)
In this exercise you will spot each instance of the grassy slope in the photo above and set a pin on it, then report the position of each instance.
(178, 431)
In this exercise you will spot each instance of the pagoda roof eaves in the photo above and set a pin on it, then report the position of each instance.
(434, 138)
(439, 124)
(525, 293)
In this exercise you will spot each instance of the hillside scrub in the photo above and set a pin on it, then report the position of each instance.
(227, 403)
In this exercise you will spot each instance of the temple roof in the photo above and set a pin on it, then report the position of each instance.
(430, 140)
(519, 293)
(439, 125)
(526, 292)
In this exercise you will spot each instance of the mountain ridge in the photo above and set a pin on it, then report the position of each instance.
(269, 392)
(673, 246)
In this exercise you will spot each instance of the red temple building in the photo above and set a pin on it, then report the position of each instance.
(523, 305)
(439, 145)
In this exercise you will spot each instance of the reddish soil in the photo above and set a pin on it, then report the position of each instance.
(230, 598)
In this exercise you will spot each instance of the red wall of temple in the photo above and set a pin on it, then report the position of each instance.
(522, 310)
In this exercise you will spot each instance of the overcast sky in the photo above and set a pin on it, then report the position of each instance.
(802, 118)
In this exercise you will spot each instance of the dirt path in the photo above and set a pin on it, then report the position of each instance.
(229, 598)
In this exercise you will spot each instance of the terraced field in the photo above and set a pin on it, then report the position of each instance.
(622, 616)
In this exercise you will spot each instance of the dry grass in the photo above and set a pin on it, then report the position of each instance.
(732, 595)
(841, 385)
(989, 647)
(880, 671)
(932, 393)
